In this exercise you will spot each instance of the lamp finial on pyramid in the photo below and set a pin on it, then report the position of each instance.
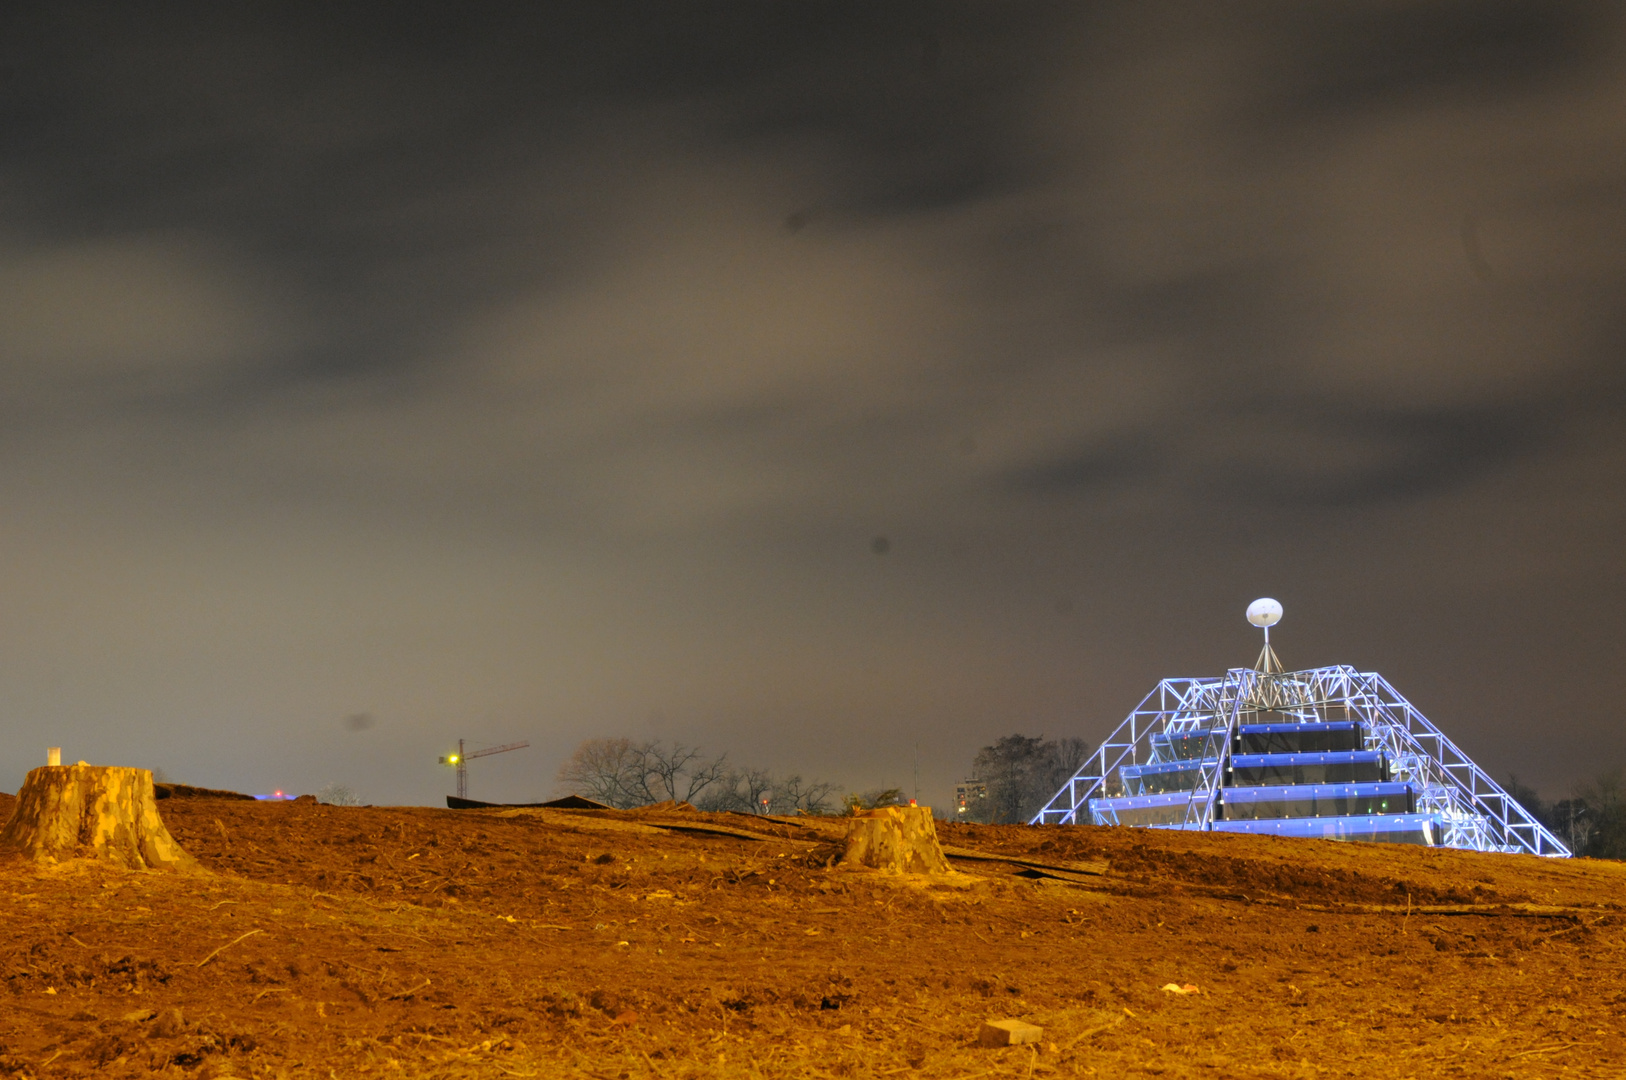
(1265, 613)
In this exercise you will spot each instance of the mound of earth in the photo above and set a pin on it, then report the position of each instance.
(354, 941)
(165, 790)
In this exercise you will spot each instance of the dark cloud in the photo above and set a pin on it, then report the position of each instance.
(1388, 55)
(1090, 471)
(1397, 456)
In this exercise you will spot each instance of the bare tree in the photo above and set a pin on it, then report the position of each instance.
(873, 799)
(608, 770)
(1023, 772)
(667, 771)
(1601, 826)
(1009, 766)
(792, 794)
(338, 795)
(757, 791)
(1063, 758)
(624, 774)
(739, 791)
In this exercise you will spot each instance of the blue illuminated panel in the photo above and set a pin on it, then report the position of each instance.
(1317, 738)
(1347, 767)
(1316, 800)
(1387, 828)
(1165, 809)
(1159, 776)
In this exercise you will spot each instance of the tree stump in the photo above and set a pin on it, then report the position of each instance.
(92, 811)
(901, 839)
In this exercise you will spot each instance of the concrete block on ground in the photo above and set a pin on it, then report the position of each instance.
(1009, 1033)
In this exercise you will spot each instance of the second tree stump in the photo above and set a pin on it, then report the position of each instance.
(901, 839)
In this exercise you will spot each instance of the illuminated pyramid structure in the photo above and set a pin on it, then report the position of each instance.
(1330, 752)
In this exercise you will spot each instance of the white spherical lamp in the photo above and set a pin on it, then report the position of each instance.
(1264, 612)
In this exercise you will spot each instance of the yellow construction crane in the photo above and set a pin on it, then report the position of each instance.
(460, 761)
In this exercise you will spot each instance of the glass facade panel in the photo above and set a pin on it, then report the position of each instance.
(1350, 767)
(1387, 829)
(1166, 809)
(1156, 777)
(1187, 745)
(1316, 800)
(1298, 738)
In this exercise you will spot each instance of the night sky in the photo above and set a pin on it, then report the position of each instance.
(814, 381)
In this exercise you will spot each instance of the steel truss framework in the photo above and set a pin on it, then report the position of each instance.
(1471, 810)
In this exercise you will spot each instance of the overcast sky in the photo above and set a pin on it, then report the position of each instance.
(814, 382)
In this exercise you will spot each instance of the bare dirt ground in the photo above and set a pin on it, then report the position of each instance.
(340, 941)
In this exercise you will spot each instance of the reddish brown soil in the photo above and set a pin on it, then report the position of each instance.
(329, 941)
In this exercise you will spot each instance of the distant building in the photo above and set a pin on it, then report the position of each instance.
(970, 799)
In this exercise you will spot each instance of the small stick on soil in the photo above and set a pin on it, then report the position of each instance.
(928, 1027)
(223, 903)
(269, 990)
(226, 946)
(408, 993)
(1549, 1049)
(1087, 1032)
(1561, 933)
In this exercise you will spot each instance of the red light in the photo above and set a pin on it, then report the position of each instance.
(279, 794)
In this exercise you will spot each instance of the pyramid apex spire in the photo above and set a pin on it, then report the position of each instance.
(1265, 613)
